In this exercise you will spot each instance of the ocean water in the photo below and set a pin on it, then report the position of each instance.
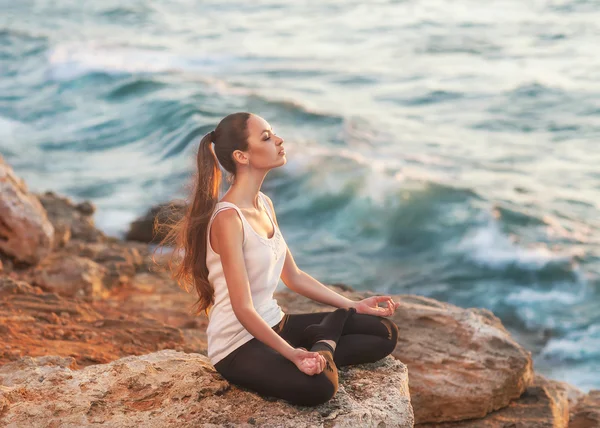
(447, 149)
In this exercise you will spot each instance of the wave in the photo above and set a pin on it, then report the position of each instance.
(68, 61)
(486, 245)
(528, 295)
(9, 130)
(576, 346)
(413, 208)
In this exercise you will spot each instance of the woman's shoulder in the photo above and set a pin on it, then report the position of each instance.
(228, 224)
(226, 212)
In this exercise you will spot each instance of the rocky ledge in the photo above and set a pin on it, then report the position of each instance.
(171, 388)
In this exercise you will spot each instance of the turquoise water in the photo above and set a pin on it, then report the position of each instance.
(448, 149)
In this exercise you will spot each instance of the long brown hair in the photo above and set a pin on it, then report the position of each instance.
(188, 234)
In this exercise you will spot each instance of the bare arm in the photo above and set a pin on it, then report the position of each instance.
(304, 284)
(228, 232)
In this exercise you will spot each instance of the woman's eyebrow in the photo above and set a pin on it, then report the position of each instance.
(267, 130)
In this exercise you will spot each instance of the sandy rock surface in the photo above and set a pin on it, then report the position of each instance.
(170, 388)
(37, 323)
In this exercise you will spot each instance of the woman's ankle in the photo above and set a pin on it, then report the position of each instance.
(329, 342)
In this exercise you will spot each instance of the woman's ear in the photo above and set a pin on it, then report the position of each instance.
(241, 157)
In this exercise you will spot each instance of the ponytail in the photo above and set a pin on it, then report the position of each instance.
(189, 234)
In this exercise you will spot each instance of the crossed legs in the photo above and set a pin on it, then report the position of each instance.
(257, 367)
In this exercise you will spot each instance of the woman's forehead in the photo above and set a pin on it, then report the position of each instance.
(257, 124)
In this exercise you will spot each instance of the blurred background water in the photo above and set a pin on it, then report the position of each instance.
(447, 149)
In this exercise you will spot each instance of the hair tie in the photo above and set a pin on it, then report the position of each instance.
(212, 136)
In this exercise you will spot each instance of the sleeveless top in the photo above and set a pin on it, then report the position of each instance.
(264, 258)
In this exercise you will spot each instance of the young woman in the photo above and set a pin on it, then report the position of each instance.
(234, 255)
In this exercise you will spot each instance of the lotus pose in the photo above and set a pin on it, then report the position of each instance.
(233, 253)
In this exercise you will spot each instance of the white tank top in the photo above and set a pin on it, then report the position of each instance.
(264, 260)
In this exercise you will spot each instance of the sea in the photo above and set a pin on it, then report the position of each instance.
(449, 149)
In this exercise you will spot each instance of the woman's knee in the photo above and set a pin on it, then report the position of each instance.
(318, 390)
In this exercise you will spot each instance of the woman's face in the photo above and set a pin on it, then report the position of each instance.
(265, 148)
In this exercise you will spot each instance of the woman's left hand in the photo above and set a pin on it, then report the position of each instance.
(370, 306)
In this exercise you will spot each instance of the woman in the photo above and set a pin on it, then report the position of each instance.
(234, 255)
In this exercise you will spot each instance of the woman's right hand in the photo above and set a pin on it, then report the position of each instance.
(311, 363)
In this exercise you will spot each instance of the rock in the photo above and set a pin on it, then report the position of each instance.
(545, 404)
(71, 221)
(71, 276)
(25, 232)
(574, 394)
(89, 269)
(170, 388)
(586, 413)
(7, 264)
(120, 260)
(142, 229)
(36, 323)
(463, 363)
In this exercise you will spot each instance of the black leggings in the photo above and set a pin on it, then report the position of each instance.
(258, 367)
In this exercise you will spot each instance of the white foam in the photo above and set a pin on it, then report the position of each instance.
(380, 176)
(8, 126)
(528, 295)
(72, 60)
(488, 246)
(579, 345)
(582, 376)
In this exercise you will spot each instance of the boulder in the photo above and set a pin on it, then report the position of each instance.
(120, 259)
(71, 276)
(88, 269)
(545, 404)
(142, 229)
(463, 363)
(26, 234)
(71, 220)
(170, 388)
